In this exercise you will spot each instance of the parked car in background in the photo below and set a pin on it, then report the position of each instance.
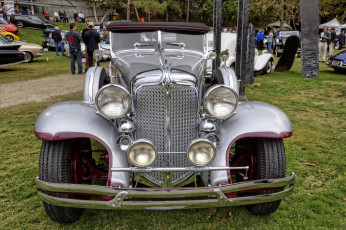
(48, 30)
(30, 50)
(10, 57)
(30, 21)
(156, 136)
(280, 40)
(263, 62)
(48, 42)
(9, 27)
(338, 62)
(10, 36)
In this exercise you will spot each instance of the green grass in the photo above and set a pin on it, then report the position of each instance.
(316, 108)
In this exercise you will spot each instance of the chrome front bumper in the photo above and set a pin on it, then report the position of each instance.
(209, 196)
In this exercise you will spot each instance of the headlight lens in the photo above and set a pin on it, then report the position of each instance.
(221, 101)
(113, 101)
(142, 153)
(201, 152)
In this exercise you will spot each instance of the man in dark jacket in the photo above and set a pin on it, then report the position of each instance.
(74, 40)
(91, 39)
(56, 35)
(332, 42)
(86, 48)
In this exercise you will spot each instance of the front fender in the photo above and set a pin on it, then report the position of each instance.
(262, 60)
(75, 119)
(252, 119)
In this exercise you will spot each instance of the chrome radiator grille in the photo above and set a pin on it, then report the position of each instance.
(179, 111)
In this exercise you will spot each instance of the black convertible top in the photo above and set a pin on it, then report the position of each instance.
(164, 26)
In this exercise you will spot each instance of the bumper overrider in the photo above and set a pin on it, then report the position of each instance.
(166, 198)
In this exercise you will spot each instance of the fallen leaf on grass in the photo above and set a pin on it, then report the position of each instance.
(256, 84)
(311, 164)
(229, 215)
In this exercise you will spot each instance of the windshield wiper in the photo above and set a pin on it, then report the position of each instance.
(182, 45)
(141, 44)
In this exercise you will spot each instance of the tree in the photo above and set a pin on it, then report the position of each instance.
(106, 5)
(151, 7)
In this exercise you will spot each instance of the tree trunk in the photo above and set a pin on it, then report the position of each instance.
(106, 14)
(282, 20)
(95, 14)
(137, 14)
(128, 10)
(149, 16)
(187, 10)
(167, 14)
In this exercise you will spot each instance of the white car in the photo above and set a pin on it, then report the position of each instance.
(263, 62)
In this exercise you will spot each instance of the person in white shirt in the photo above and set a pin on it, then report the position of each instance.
(81, 16)
(56, 16)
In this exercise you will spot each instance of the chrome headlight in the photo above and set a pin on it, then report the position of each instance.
(221, 101)
(201, 152)
(142, 153)
(113, 101)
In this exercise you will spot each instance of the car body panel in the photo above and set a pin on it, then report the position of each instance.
(6, 33)
(229, 41)
(34, 49)
(75, 119)
(252, 119)
(338, 61)
(9, 27)
(31, 21)
(10, 57)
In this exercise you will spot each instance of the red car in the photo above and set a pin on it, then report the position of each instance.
(9, 27)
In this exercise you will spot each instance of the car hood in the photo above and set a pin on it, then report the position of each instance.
(25, 45)
(133, 62)
(340, 56)
(10, 26)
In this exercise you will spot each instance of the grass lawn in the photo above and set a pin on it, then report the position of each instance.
(315, 152)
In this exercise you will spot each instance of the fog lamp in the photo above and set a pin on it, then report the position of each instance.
(142, 153)
(201, 152)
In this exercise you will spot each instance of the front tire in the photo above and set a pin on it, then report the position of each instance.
(268, 68)
(60, 162)
(270, 163)
(28, 57)
(19, 24)
(10, 38)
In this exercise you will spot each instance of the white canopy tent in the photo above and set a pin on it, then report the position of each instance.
(276, 25)
(332, 24)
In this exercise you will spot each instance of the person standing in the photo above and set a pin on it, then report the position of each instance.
(270, 40)
(4, 12)
(259, 39)
(75, 16)
(92, 40)
(56, 35)
(74, 40)
(324, 38)
(341, 39)
(332, 42)
(86, 47)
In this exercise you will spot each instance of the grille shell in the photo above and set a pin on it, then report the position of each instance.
(162, 112)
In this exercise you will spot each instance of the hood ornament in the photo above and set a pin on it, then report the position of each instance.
(166, 69)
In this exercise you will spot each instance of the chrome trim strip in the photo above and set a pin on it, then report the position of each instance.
(177, 169)
(122, 196)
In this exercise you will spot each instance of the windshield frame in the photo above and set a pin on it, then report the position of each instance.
(159, 46)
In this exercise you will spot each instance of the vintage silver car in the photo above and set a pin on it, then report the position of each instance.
(155, 132)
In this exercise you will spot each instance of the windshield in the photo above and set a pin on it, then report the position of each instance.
(3, 21)
(156, 39)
